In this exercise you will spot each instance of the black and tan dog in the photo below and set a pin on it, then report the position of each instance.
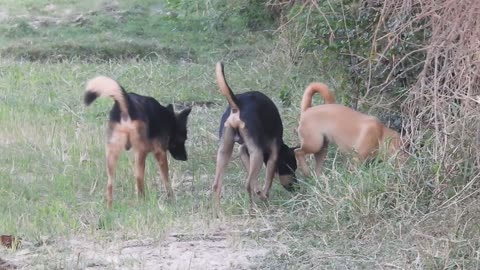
(141, 123)
(352, 131)
(253, 120)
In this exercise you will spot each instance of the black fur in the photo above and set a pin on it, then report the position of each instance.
(90, 97)
(264, 124)
(161, 121)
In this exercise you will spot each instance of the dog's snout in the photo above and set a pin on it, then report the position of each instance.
(182, 156)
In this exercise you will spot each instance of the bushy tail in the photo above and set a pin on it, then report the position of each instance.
(224, 88)
(313, 88)
(102, 86)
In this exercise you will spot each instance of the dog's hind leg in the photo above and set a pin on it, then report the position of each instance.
(271, 168)
(256, 158)
(320, 158)
(161, 157)
(255, 164)
(302, 163)
(245, 157)
(116, 143)
(140, 157)
(311, 146)
(223, 157)
(368, 142)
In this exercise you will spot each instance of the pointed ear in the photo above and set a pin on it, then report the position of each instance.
(170, 107)
(185, 112)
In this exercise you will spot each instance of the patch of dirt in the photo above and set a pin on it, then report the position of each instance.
(221, 248)
(5, 265)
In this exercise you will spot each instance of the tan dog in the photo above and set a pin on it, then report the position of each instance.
(349, 129)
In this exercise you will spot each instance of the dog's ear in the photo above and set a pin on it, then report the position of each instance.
(184, 114)
(170, 107)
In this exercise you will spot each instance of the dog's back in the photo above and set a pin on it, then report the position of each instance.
(260, 116)
(334, 119)
(336, 123)
(142, 119)
(159, 119)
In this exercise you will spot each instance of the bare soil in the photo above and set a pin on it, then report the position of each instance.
(222, 247)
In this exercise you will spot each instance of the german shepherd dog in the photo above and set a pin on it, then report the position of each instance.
(141, 123)
(253, 121)
(352, 131)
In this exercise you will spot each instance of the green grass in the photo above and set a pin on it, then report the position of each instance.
(104, 31)
(52, 162)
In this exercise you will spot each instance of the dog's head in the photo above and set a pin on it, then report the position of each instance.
(176, 145)
(287, 165)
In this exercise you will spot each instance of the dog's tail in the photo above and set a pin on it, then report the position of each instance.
(102, 86)
(225, 89)
(313, 88)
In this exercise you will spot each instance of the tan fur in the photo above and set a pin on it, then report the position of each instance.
(352, 131)
(224, 88)
(234, 120)
(128, 134)
(107, 87)
(134, 133)
(313, 88)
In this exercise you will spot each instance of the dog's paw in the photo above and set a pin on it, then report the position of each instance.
(263, 196)
(170, 197)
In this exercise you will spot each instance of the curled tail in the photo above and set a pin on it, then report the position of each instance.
(225, 89)
(313, 88)
(102, 86)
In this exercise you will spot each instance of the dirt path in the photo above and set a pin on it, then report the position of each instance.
(220, 248)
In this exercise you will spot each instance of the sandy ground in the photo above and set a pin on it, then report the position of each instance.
(220, 248)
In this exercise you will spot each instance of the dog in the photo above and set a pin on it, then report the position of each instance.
(253, 121)
(352, 131)
(141, 123)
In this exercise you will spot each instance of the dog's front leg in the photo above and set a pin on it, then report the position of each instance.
(161, 157)
(140, 157)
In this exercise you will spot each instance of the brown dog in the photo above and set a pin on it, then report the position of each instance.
(141, 123)
(349, 129)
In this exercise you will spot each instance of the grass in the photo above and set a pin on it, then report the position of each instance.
(52, 168)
